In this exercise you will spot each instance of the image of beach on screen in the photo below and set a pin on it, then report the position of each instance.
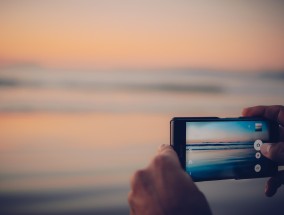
(225, 149)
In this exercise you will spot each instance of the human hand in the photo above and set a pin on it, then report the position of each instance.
(273, 151)
(165, 188)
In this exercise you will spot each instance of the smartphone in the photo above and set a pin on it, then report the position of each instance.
(212, 148)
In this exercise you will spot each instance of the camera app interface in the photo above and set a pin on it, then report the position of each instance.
(225, 149)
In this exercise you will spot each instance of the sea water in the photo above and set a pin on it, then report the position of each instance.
(70, 140)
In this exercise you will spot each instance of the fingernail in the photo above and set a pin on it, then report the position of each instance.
(265, 148)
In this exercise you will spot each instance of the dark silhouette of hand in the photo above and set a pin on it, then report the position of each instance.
(165, 188)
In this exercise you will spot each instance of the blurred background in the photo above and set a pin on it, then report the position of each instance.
(87, 90)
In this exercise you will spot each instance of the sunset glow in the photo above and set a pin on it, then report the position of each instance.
(112, 34)
(88, 89)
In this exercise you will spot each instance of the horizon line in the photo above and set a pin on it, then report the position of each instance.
(32, 65)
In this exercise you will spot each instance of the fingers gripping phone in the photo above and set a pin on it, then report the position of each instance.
(212, 148)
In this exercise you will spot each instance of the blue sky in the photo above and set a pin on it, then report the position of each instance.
(224, 131)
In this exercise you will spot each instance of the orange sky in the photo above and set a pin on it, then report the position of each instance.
(239, 35)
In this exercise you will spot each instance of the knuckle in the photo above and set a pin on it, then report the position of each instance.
(161, 161)
(141, 183)
(137, 178)
(139, 174)
(276, 152)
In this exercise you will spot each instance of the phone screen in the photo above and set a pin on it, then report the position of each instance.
(226, 149)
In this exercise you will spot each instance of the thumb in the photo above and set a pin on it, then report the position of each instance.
(274, 151)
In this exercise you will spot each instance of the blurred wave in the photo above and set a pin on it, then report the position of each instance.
(56, 161)
(32, 89)
(87, 85)
(219, 146)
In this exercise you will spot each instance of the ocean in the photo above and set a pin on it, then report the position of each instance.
(231, 160)
(71, 139)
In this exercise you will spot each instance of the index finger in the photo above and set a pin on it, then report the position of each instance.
(274, 112)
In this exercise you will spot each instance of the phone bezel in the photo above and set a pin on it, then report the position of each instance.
(178, 139)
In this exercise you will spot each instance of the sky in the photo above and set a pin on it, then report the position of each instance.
(224, 132)
(229, 35)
